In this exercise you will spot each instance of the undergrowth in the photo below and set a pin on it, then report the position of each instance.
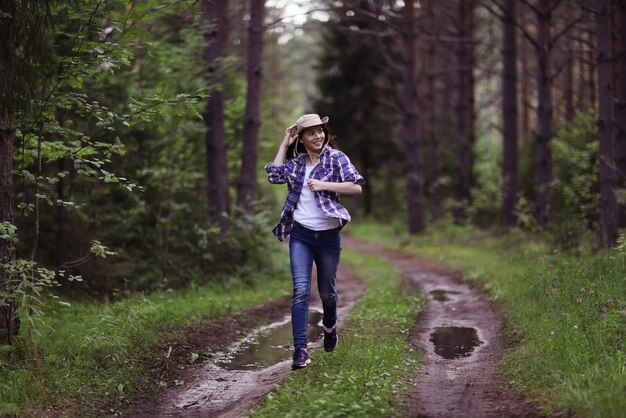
(101, 353)
(566, 313)
(368, 373)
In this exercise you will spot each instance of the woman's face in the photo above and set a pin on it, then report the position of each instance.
(313, 139)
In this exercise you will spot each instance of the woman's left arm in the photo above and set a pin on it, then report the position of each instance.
(346, 187)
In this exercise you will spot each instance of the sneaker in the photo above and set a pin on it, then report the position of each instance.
(300, 359)
(330, 340)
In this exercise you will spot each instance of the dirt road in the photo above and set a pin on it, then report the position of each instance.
(459, 335)
(214, 391)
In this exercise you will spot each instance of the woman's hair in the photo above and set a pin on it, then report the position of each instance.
(297, 148)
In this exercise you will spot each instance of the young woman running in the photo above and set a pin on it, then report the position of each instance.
(316, 175)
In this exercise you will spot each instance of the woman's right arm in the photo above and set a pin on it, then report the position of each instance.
(276, 169)
(290, 136)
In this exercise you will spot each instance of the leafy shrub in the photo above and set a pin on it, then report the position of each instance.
(576, 189)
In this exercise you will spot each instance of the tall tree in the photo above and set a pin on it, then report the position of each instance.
(410, 134)
(246, 192)
(608, 202)
(430, 112)
(365, 92)
(525, 78)
(464, 108)
(620, 107)
(216, 16)
(544, 128)
(9, 324)
(509, 115)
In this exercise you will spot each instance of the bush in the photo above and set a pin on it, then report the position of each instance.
(576, 188)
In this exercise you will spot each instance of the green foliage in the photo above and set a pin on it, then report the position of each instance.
(368, 373)
(576, 188)
(486, 190)
(352, 79)
(93, 348)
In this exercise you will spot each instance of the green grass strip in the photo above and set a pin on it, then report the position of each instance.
(368, 374)
(566, 313)
(97, 351)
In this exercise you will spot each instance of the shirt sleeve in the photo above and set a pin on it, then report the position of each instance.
(276, 174)
(348, 172)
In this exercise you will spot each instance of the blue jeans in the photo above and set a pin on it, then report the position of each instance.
(306, 246)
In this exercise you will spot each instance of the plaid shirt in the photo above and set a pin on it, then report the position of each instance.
(334, 166)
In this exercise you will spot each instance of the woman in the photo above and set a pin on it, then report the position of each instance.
(316, 174)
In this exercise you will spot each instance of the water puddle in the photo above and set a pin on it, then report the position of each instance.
(441, 295)
(454, 342)
(269, 345)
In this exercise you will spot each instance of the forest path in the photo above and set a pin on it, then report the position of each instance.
(458, 333)
(214, 391)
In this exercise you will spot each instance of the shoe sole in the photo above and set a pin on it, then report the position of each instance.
(301, 366)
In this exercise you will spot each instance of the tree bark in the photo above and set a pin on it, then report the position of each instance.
(526, 83)
(591, 73)
(620, 109)
(246, 193)
(410, 134)
(59, 251)
(509, 116)
(544, 129)
(430, 114)
(465, 114)
(9, 322)
(608, 201)
(568, 88)
(215, 13)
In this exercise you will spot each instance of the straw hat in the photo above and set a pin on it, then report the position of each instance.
(311, 119)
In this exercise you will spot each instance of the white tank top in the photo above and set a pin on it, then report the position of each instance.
(307, 213)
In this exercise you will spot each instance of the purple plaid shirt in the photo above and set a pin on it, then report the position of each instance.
(334, 166)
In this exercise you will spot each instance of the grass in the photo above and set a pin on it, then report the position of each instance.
(100, 353)
(566, 314)
(368, 373)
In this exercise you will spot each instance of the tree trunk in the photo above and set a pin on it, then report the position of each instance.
(543, 132)
(59, 251)
(526, 83)
(608, 202)
(215, 13)
(620, 109)
(568, 93)
(410, 134)
(464, 125)
(430, 114)
(9, 322)
(509, 116)
(591, 73)
(246, 193)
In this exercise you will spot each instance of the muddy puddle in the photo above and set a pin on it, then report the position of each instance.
(268, 345)
(443, 295)
(454, 342)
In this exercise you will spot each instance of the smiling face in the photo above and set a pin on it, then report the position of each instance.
(313, 139)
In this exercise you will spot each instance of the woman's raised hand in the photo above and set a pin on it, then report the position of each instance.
(291, 134)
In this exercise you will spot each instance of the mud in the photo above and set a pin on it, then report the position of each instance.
(268, 345)
(455, 381)
(443, 295)
(214, 391)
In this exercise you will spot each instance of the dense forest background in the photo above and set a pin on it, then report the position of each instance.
(133, 133)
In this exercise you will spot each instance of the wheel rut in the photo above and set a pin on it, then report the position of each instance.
(459, 334)
(215, 391)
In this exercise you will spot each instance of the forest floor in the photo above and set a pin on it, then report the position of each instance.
(458, 375)
(211, 390)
